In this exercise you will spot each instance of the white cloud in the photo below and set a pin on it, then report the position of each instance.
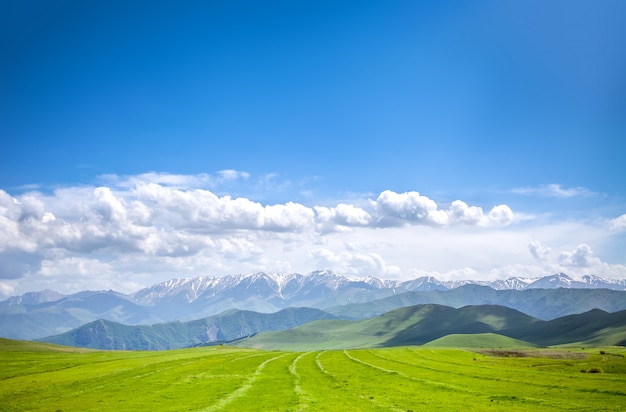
(147, 228)
(618, 224)
(354, 263)
(409, 206)
(395, 209)
(539, 251)
(500, 215)
(193, 181)
(582, 260)
(582, 257)
(343, 216)
(553, 190)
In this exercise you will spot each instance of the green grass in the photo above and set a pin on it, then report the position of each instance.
(43, 377)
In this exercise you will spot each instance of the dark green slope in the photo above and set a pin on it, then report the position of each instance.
(437, 321)
(594, 324)
(420, 324)
(413, 325)
(227, 326)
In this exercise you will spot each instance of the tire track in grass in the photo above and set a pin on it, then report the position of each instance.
(475, 396)
(349, 400)
(156, 371)
(242, 389)
(438, 384)
(319, 364)
(304, 398)
(371, 398)
(493, 392)
(521, 376)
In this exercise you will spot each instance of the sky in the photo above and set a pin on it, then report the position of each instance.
(148, 140)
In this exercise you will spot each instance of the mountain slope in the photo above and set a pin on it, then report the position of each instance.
(420, 324)
(32, 298)
(230, 325)
(50, 318)
(45, 313)
(413, 325)
(593, 325)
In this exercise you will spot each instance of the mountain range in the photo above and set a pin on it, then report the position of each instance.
(40, 314)
(226, 327)
(304, 329)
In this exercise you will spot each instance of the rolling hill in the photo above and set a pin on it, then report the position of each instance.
(227, 326)
(478, 340)
(421, 324)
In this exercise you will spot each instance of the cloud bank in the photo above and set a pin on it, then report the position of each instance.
(151, 214)
(132, 231)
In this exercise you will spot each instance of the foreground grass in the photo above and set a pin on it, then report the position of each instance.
(48, 378)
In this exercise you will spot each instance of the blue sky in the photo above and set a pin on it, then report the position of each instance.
(335, 112)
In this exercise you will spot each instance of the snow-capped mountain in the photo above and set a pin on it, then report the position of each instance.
(268, 292)
(33, 298)
(424, 283)
(561, 280)
(45, 313)
(289, 288)
(268, 286)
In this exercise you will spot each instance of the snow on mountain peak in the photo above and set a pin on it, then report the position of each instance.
(287, 286)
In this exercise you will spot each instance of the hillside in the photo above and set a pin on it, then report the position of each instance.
(228, 326)
(413, 325)
(478, 340)
(421, 324)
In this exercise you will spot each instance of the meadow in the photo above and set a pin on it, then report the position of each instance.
(45, 377)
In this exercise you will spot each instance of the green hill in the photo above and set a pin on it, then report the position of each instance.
(413, 325)
(478, 340)
(227, 326)
(592, 327)
(421, 324)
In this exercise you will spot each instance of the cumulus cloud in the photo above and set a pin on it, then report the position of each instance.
(331, 219)
(175, 220)
(539, 251)
(582, 260)
(411, 207)
(582, 257)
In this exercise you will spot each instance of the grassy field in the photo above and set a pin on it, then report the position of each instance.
(49, 378)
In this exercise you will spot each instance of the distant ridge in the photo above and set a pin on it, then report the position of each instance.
(225, 327)
(287, 286)
(39, 314)
(438, 325)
